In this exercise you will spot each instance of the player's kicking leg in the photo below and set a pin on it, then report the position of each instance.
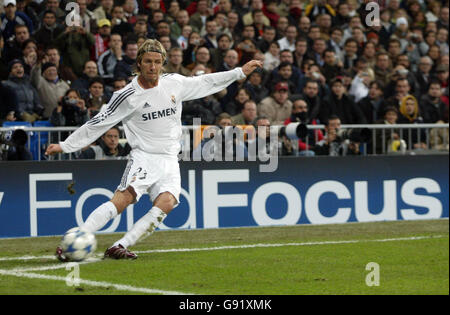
(105, 213)
(143, 228)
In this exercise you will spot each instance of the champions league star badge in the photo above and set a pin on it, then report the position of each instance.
(172, 98)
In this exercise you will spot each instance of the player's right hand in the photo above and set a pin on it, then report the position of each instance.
(53, 149)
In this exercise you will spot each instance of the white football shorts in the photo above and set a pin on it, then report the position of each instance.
(152, 174)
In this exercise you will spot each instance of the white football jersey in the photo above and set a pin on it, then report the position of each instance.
(151, 117)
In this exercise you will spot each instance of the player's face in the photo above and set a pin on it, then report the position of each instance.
(150, 66)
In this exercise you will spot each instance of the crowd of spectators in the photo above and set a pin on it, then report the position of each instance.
(325, 62)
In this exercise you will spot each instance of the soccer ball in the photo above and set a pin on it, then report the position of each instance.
(78, 244)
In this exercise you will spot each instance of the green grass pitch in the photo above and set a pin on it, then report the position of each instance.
(412, 256)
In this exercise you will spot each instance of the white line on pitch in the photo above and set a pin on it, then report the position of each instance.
(245, 246)
(284, 244)
(101, 284)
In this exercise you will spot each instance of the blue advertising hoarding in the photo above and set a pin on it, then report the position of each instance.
(48, 198)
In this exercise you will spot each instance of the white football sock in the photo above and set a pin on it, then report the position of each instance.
(100, 216)
(143, 228)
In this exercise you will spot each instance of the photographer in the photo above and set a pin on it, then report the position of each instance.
(71, 110)
(338, 142)
(14, 149)
(300, 113)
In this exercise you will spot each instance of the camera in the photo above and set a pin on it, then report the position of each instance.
(294, 131)
(355, 135)
(69, 102)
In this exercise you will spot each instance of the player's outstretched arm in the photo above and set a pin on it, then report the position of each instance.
(208, 84)
(53, 149)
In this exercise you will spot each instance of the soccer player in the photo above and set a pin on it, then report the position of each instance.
(150, 110)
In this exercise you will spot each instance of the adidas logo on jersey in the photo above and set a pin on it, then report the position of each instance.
(147, 105)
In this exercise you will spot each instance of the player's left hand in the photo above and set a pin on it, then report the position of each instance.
(250, 66)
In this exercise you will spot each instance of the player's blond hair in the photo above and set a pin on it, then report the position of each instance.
(150, 45)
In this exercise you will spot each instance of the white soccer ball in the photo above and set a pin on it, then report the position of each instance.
(78, 244)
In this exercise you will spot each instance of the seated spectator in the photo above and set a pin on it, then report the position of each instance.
(314, 73)
(350, 53)
(288, 41)
(175, 62)
(29, 53)
(163, 29)
(97, 96)
(431, 105)
(409, 114)
(194, 42)
(246, 50)
(230, 62)
(218, 54)
(392, 141)
(65, 73)
(402, 89)
(53, 5)
(182, 40)
(13, 45)
(272, 57)
(124, 67)
(423, 75)
(101, 39)
(11, 18)
(81, 84)
(285, 73)
(247, 115)
(87, 18)
(166, 43)
(108, 60)
(382, 67)
(211, 30)
(119, 23)
(255, 87)
(108, 147)
(267, 38)
(373, 105)
(199, 16)
(50, 87)
(29, 106)
(312, 99)
(340, 104)
(49, 29)
(104, 10)
(119, 83)
(202, 57)
(332, 66)
(277, 107)
(235, 107)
